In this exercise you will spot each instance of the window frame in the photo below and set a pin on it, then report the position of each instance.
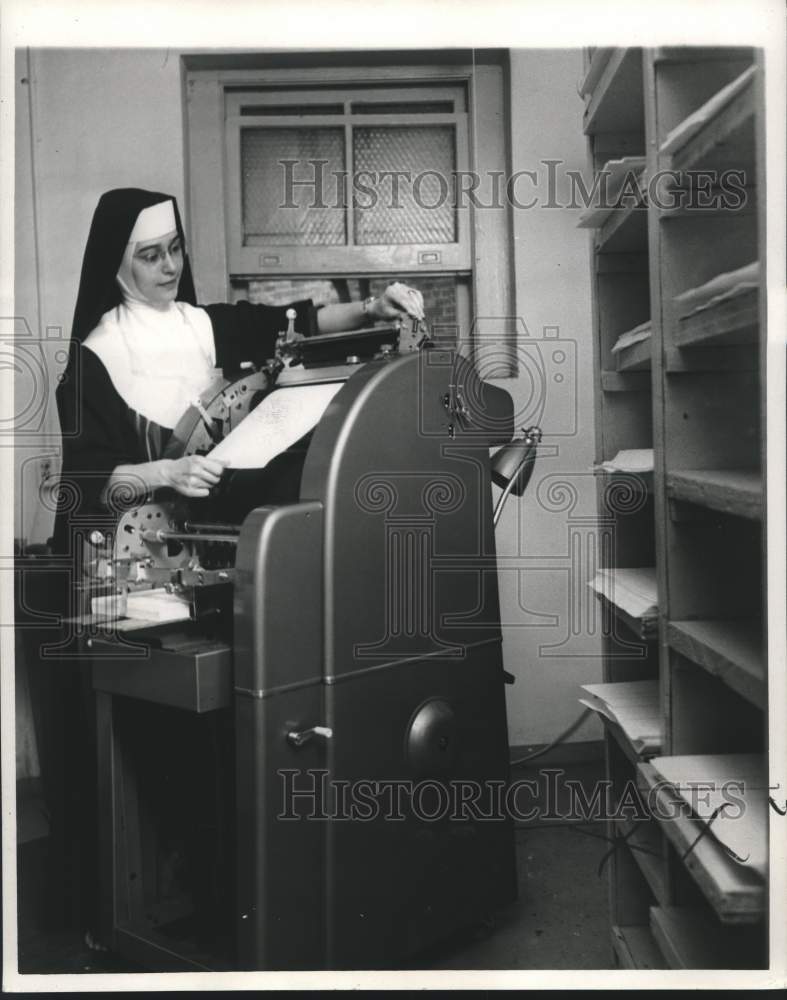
(349, 258)
(208, 77)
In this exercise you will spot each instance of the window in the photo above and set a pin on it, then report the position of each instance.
(373, 180)
(326, 179)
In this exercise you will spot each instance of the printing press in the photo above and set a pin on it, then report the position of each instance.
(339, 655)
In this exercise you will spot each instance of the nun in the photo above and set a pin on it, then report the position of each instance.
(142, 350)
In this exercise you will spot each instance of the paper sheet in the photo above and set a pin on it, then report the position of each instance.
(155, 605)
(281, 419)
(631, 337)
(701, 781)
(631, 460)
(689, 127)
(632, 590)
(617, 172)
(634, 706)
(723, 286)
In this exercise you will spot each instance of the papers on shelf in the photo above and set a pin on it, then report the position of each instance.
(281, 419)
(736, 785)
(632, 590)
(155, 605)
(620, 178)
(724, 286)
(631, 337)
(634, 706)
(689, 127)
(631, 460)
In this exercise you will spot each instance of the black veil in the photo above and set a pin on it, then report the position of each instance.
(110, 229)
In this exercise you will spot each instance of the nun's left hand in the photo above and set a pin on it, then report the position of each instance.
(398, 298)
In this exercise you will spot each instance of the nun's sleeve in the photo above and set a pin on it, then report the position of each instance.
(96, 433)
(247, 332)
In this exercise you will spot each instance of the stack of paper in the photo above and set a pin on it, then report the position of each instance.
(689, 127)
(734, 784)
(634, 706)
(620, 184)
(724, 286)
(631, 460)
(631, 337)
(157, 606)
(633, 591)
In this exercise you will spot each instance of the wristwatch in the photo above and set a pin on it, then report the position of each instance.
(367, 304)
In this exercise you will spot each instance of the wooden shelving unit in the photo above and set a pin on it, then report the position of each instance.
(694, 392)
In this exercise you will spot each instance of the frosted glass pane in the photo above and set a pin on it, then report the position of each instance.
(316, 217)
(421, 210)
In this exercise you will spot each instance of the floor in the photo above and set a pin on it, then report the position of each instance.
(560, 920)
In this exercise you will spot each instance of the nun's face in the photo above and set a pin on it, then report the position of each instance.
(156, 266)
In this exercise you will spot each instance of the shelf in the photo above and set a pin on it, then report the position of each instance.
(730, 491)
(730, 650)
(625, 381)
(635, 358)
(639, 482)
(616, 103)
(598, 62)
(710, 359)
(617, 732)
(736, 894)
(730, 323)
(726, 139)
(636, 948)
(630, 595)
(689, 939)
(625, 231)
(696, 54)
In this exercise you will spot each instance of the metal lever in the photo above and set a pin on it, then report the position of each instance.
(297, 739)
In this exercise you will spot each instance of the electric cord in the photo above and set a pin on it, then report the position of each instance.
(558, 739)
(576, 827)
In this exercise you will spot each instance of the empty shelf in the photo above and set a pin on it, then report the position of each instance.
(625, 230)
(625, 381)
(691, 939)
(616, 102)
(730, 650)
(718, 133)
(636, 948)
(598, 62)
(731, 491)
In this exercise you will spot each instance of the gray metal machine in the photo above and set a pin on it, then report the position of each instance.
(344, 643)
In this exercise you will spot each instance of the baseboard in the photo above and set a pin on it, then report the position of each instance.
(583, 752)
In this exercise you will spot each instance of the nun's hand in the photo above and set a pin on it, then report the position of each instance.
(398, 298)
(194, 475)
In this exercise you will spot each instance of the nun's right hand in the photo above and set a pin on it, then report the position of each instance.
(193, 475)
